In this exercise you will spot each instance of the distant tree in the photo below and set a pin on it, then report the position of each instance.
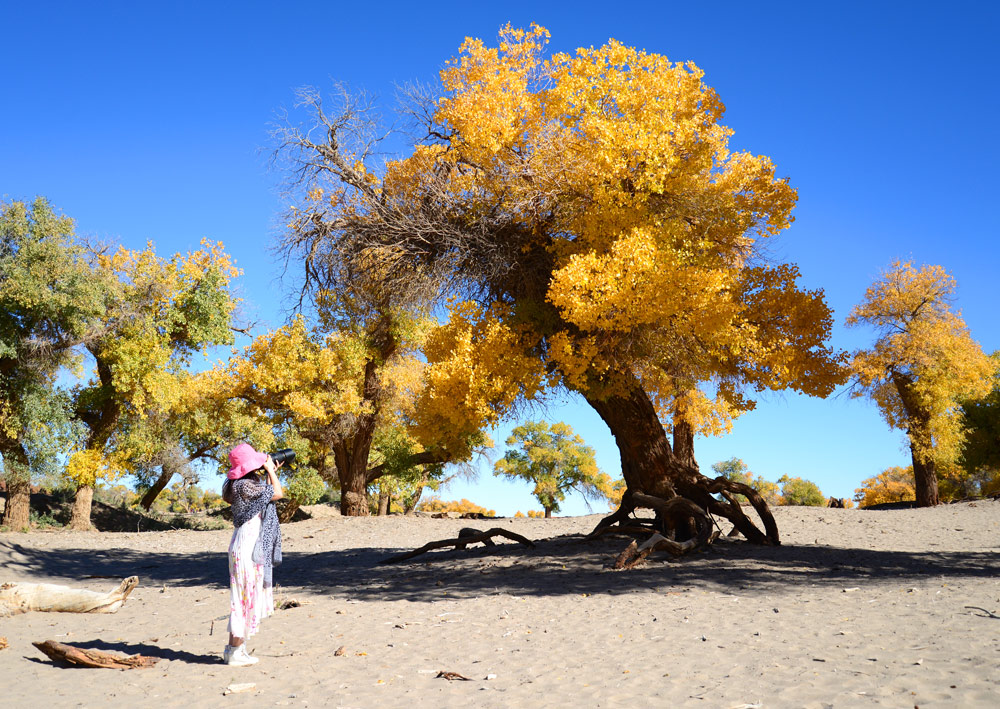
(796, 491)
(923, 364)
(736, 470)
(157, 313)
(435, 504)
(556, 461)
(981, 447)
(48, 298)
(893, 484)
(348, 389)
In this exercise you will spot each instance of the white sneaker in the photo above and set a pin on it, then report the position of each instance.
(238, 657)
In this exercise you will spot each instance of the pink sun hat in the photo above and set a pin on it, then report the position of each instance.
(244, 459)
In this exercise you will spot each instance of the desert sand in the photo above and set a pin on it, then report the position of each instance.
(856, 608)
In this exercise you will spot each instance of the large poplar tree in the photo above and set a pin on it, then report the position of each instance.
(923, 364)
(594, 231)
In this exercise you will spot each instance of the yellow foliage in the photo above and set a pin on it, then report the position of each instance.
(479, 367)
(615, 493)
(893, 484)
(435, 504)
(616, 160)
(924, 361)
(622, 239)
(88, 466)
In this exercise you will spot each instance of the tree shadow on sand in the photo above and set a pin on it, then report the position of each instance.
(556, 567)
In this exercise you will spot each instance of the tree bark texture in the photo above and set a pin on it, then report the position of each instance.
(924, 470)
(925, 480)
(84, 657)
(82, 502)
(17, 513)
(684, 442)
(17, 475)
(650, 467)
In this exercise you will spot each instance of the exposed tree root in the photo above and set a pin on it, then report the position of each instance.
(685, 524)
(82, 657)
(465, 537)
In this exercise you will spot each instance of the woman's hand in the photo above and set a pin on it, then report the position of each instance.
(272, 477)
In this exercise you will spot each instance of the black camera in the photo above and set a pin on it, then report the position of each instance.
(285, 455)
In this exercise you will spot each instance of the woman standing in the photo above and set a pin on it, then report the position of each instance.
(251, 488)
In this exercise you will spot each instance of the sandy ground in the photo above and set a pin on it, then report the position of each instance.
(856, 608)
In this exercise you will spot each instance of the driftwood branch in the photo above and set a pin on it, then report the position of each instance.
(23, 597)
(82, 657)
(465, 537)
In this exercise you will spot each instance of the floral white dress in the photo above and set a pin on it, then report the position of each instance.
(250, 601)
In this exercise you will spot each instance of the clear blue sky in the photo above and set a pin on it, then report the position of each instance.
(146, 121)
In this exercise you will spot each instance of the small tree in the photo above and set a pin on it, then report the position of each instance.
(893, 484)
(435, 504)
(796, 491)
(736, 470)
(922, 365)
(556, 461)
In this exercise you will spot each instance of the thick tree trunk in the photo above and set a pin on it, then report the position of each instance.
(548, 512)
(82, 502)
(684, 442)
(925, 480)
(651, 468)
(384, 503)
(648, 463)
(924, 470)
(410, 506)
(152, 493)
(17, 475)
(17, 513)
(352, 473)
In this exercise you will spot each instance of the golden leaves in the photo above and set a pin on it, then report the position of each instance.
(479, 367)
(924, 360)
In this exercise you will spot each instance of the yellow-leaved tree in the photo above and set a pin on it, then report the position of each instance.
(556, 461)
(157, 313)
(923, 364)
(595, 232)
(348, 388)
(893, 484)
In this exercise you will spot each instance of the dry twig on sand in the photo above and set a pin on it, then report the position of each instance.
(82, 657)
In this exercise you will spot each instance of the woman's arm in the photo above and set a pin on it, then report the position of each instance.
(272, 477)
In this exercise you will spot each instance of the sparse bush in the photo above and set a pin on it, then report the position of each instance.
(796, 491)
(736, 470)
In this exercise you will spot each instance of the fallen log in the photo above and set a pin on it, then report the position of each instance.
(23, 597)
(466, 536)
(83, 657)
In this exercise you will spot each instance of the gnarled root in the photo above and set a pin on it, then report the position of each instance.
(685, 524)
(465, 537)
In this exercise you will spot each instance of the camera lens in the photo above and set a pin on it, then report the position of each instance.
(285, 455)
